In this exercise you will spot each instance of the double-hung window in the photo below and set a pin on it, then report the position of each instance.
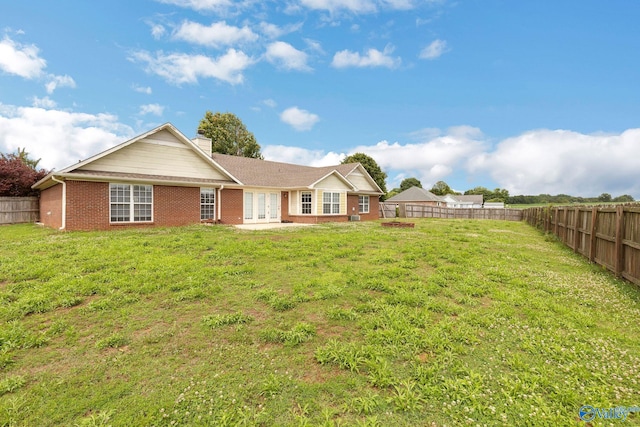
(330, 203)
(207, 204)
(130, 203)
(363, 204)
(306, 202)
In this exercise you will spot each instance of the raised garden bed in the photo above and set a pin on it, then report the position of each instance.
(398, 224)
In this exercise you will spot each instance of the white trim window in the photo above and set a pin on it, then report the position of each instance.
(305, 200)
(363, 204)
(330, 203)
(207, 204)
(248, 205)
(130, 203)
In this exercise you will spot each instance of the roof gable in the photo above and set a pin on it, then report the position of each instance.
(163, 151)
(415, 194)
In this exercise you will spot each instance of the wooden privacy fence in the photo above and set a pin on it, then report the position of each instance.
(19, 209)
(388, 210)
(608, 236)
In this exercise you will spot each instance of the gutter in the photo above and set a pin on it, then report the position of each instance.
(219, 203)
(64, 201)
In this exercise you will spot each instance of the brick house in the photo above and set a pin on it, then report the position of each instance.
(163, 178)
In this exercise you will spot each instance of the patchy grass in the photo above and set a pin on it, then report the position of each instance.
(451, 323)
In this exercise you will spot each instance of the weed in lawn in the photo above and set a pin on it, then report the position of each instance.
(301, 332)
(11, 383)
(115, 340)
(218, 320)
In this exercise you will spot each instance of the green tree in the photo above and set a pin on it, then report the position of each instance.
(378, 175)
(604, 197)
(410, 182)
(441, 188)
(229, 135)
(625, 198)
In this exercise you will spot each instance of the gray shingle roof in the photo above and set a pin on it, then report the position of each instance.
(414, 194)
(264, 173)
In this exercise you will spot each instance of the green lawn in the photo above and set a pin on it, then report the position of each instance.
(451, 323)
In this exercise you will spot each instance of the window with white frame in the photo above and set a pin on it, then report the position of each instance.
(306, 202)
(207, 204)
(363, 204)
(130, 203)
(248, 205)
(330, 203)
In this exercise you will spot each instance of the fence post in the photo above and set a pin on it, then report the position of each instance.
(619, 254)
(592, 242)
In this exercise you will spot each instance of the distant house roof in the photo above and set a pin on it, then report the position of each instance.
(414, 194)
(470, 198)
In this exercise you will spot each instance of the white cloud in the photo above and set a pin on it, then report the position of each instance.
(273, 31)
(45, 102)
(436, 49)
(155, 109)
(200, 5)
(270, 103)
(157, 31)
(562, 161)
(354, 6)
(179, 68)
(58, 81)
(58, 138)
(299, 119)
(301, 156)
(216, 35)
(360, 6)
(286, 56)
(142, 89)
(373, 58)
(21, 60)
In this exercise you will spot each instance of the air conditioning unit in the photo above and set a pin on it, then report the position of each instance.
(354, 217)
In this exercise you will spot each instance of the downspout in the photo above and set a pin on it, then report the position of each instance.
(64, 201)
(219, 201)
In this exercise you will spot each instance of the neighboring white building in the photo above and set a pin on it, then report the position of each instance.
(460, 201)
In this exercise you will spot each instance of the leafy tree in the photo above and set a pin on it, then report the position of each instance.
(441, 188)
(378, 175)
(229, 135)
(18, 173)
(410, 182)
(625, 198)
(604, 197)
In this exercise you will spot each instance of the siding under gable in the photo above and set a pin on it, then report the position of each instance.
(360, 182)
(333, 183)
(159, 154)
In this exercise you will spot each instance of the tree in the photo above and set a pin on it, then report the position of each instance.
(625, 198)
(407, 183)
(371, 166)
(229, 135)
(441, 188)
(18, 173)
(604, 197)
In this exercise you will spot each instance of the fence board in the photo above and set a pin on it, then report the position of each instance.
(14, 210)
(608, 236)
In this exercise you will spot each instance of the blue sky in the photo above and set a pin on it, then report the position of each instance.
(531, 96)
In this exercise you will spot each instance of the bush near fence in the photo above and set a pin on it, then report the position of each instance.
(14, 210)
(606, 235)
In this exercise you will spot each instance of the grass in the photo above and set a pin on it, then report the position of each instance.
(451, 323)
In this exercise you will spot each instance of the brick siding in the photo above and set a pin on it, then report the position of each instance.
(51, 206)
(231, 206)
